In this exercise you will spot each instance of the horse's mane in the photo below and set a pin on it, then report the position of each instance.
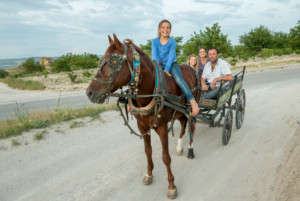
(142, 53)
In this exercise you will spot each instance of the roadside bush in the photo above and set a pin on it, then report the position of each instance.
(30, 66)
(233, 61)
(297, 51)
(72, 77)
(245, 57)
(86, 74)
(287, 51)
(70, 62)
(265, 53)
(3, 73)
(62, 64)
(278, 52)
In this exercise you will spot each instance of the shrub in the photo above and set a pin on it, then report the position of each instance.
(278, 52)
(86, 74)
(3, 73)
(61, 65)
(265, 53)
(297, 51)
(30, 66)
(245, 57)
(233, 61)
(45, 73)
(287, 51)
(70, 62)
(72, 77)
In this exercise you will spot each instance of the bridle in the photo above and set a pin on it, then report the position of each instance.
(115, 63)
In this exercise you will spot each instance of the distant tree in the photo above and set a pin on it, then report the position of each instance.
(280, 40)
(257, 39)
(62, 64)
(70, 62)
(238, 50)
(294, 37)
(178, 40)
(147, 48)
(30, 66)
(211, 37)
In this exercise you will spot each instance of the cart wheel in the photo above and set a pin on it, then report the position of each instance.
(240, 110)
(227, 127)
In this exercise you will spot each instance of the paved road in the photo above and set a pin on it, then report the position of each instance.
(10, 109)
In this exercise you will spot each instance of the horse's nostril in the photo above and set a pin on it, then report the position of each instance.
(89, 93)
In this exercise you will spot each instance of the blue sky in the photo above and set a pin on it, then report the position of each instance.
(54, 27)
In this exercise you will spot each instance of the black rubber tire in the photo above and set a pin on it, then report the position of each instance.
(240, 110)
(227, 127)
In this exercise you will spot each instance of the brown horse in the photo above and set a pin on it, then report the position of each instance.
(103, 84)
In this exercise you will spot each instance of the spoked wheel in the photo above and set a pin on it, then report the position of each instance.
(240, 110)
(227, 127)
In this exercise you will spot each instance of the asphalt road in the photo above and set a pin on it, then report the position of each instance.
(11, 109)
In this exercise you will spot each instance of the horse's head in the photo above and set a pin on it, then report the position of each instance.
(114, 71)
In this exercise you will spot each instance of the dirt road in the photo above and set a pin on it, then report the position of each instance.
(101, 161)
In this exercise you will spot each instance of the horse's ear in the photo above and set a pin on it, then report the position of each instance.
(118, 44)
(110, 40)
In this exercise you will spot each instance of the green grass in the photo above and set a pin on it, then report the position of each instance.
(43, 119)
(40, 135)
(14, 142)
(23, 84)
(76, 124)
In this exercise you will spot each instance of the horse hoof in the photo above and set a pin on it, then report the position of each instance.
(191, 153)
(147, 180)
(179, 152)
(172, 194)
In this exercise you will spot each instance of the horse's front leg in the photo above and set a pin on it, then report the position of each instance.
(148, 150)
(163, 134)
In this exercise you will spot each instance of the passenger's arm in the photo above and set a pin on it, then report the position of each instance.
(203, 85)
(219, 79)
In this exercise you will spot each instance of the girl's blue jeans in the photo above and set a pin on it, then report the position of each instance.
(176, 74)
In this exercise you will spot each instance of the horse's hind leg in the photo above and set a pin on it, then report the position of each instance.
(191, 131)
(183, 121)
(163, 134)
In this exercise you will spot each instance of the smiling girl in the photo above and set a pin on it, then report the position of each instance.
(164, 51)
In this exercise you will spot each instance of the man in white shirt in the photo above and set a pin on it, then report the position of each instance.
(214, 71)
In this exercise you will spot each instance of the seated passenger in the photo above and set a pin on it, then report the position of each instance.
(202, 61)
(214, 71)
(193, 62)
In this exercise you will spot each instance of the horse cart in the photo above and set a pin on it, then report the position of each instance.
(212, 111)
(222, 107)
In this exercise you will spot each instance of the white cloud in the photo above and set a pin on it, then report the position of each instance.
(56, 27)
